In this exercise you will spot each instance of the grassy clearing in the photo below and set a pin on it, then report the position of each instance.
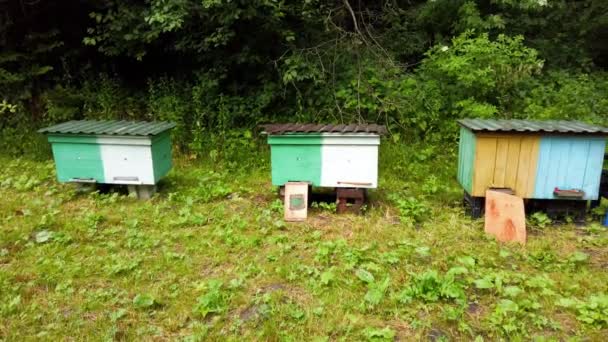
(209, 258)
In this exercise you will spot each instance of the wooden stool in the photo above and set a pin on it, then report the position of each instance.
(350, 199)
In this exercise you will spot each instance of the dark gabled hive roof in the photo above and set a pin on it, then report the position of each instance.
(550, 126)
(112, 127)
(278, 129)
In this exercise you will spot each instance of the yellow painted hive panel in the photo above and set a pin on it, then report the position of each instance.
(506, 161)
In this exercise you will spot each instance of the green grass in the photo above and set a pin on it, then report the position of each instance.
(210, 258)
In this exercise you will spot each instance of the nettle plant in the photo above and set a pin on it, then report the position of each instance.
(411, 210)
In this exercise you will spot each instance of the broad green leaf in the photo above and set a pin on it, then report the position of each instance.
(567, 302)
(375, 334)
(579, 257)
(364, 275)
(457, 270)
(374, 296)
(118, 314)
(423, 251)
(466, 260)
(507, 305)
(483, 283)
(43, 236)
(327, 277)
(512, 291)
(143, 301)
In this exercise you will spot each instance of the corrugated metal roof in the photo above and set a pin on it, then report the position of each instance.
(278, 129)
(550, 126)
(112, 127)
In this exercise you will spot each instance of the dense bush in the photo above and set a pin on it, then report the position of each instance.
(219, 68)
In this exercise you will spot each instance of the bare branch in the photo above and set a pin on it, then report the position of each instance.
(352, 14)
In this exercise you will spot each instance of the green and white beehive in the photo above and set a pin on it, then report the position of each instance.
(337, 156)
(111, 152)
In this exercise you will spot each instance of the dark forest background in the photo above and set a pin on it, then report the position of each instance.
(218, 68)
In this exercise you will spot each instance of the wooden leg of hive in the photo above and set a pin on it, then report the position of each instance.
(132, 190)
(142, 192)
(342, 206)
(145, 192)
(356, 197)
(580, 212)
(476, 205)
(85, 187)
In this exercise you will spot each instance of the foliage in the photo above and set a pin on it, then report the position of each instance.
(411, 210)
(144, 301)
(213, 301)
(539, 220)
(328, 207)
(431, 287)
(593, 311)
(24, 67)
(216, 66)
(220, 258)
(475, 71)
(376, 334)
(563, 95)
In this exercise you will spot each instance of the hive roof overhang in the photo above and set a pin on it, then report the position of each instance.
(531, 126)
(110, 127)
(279, 129)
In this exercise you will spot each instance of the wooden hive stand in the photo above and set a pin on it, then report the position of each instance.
(350, 199)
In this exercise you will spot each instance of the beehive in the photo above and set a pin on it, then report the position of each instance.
(532, 158)
(111, 152)
(338, 156)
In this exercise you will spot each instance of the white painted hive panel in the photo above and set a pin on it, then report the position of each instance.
(350, 161)
(127, 164)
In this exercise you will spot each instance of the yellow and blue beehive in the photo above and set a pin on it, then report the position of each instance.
(532, 158)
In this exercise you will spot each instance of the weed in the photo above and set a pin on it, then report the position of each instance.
(213, 301)
(429, 286)
(431, 185)
(324, 206)
(375, 334)
(539, 220)
(411, 210)
(144, 301)
(376, 291)
(216, 262)
(593, 311)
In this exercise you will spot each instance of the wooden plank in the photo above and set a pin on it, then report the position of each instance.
(569, 162)
(500, 167)
(505, 217)
(466, 157)
(485, 160)
(521, 184)
(532, 166)
(593, 168)
(528, 161)
(512, 162)
(577, 163)
(523, 181)
(296, 201)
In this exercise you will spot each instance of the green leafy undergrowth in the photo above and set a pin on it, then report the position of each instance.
(209, 257)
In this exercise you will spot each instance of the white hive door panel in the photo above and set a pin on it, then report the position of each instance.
(350, 166)
(127, 164)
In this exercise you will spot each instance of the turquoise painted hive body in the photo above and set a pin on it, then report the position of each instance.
(532, 158)
(111, 152)
(325, 155)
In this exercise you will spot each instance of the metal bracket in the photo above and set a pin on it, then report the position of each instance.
(126, 179)
(356, 183)
(83, 180)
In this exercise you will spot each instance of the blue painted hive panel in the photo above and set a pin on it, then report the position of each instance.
(569, 162)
